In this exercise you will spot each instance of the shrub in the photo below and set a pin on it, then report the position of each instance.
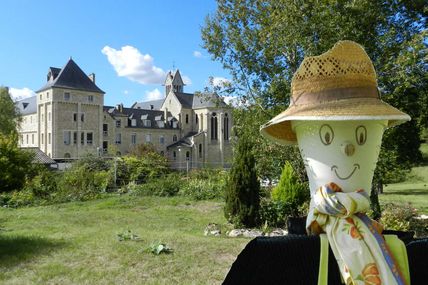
(205, 184)
(403, 218)
(169, 185)
(17, 199)
(43, 185)
(242, 192)
(290, 190)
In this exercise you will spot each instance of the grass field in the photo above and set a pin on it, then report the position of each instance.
(414, 190)
(76, 243)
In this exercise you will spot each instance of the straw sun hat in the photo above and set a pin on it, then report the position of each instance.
(338, 85)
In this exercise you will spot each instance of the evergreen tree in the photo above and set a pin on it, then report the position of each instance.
(243, 187)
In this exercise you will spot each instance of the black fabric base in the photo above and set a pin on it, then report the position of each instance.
(294, 259)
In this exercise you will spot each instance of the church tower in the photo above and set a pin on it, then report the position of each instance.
(174, 82)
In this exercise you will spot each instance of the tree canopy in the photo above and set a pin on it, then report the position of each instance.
(262, 43)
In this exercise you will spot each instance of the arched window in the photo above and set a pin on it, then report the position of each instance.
(187, 118)
(187, 155)
(214, 127)
(200, 150)
(197, 119)
(174, 155)
(226, 127)
(174, 138)
(67, 155)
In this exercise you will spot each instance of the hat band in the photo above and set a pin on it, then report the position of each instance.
(334, 95)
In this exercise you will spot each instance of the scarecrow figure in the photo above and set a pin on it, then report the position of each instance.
(337, 119)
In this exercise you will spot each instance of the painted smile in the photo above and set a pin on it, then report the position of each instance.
(335, 168)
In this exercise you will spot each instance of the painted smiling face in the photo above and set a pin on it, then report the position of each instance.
(343, 152)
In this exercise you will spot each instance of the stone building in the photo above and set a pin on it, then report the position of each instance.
(67, 119)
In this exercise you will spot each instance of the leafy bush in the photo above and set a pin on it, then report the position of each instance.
(79, 183)
(403, 218)
(205, 184)
(43, 185)
(290, 190)
(275, 213)
(17, 199)
(168, 185)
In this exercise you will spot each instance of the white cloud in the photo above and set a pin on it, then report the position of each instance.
(19, 94)
(155, 94)
(130, 63)
(197, 54)
(220, 81)
(186, 80)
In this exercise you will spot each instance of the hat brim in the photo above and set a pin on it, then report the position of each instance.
(368, 109)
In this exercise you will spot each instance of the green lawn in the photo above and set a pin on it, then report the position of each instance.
(76, 243)
(414, 190)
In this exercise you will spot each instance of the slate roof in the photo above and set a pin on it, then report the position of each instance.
(205, 100)
(27, 106)
(71, 77)
(184, 141)
(140, 114)
(157, 104)
(40, 156)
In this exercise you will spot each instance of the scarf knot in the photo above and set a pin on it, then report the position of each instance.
(356, 241)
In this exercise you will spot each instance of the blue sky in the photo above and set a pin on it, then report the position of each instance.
(129, 45)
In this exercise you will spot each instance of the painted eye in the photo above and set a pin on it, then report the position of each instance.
(326, 134)
(361, 135)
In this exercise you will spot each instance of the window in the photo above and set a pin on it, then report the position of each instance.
(82, 117)
(133, 122)
(118, 139)
(27, 138)
(118, 123)
(75, 117)
(40, 96)
(175, 124)
(200, 150)
(67, 155)
(90, 98)
(49, 116)
(105, 129)
(187, 155)
(161, 139)
(148, 138)
(174, 138)
(226, 127)
(105, 146)
(32, 138)
(187, 118)
(82, 138)
(161, 124)
(174, 155)
(67, 137)
(197, 119)
(49, 138)
(89, 138)
(66, 96)
(134, 138)
(147, 123)
(214, 127)
(74, 137)
(47, 95)
(41, 138)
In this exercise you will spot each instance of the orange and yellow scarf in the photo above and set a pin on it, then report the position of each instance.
(356, 241)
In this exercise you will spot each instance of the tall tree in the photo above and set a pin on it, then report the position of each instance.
(9, 115)
(15, 164)
(243, 188)
(262, 43)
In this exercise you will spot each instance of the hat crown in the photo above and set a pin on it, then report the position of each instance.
(346, 65)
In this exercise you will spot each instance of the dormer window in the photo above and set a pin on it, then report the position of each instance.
(147, 123)
(133, 122)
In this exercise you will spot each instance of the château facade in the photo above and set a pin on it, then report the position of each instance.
(67, 119)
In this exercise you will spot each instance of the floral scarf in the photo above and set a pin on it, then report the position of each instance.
(356, 241)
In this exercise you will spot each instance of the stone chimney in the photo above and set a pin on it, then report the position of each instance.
(92, 77)
(119, 108)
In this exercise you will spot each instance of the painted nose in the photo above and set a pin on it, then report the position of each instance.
(348, 149)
